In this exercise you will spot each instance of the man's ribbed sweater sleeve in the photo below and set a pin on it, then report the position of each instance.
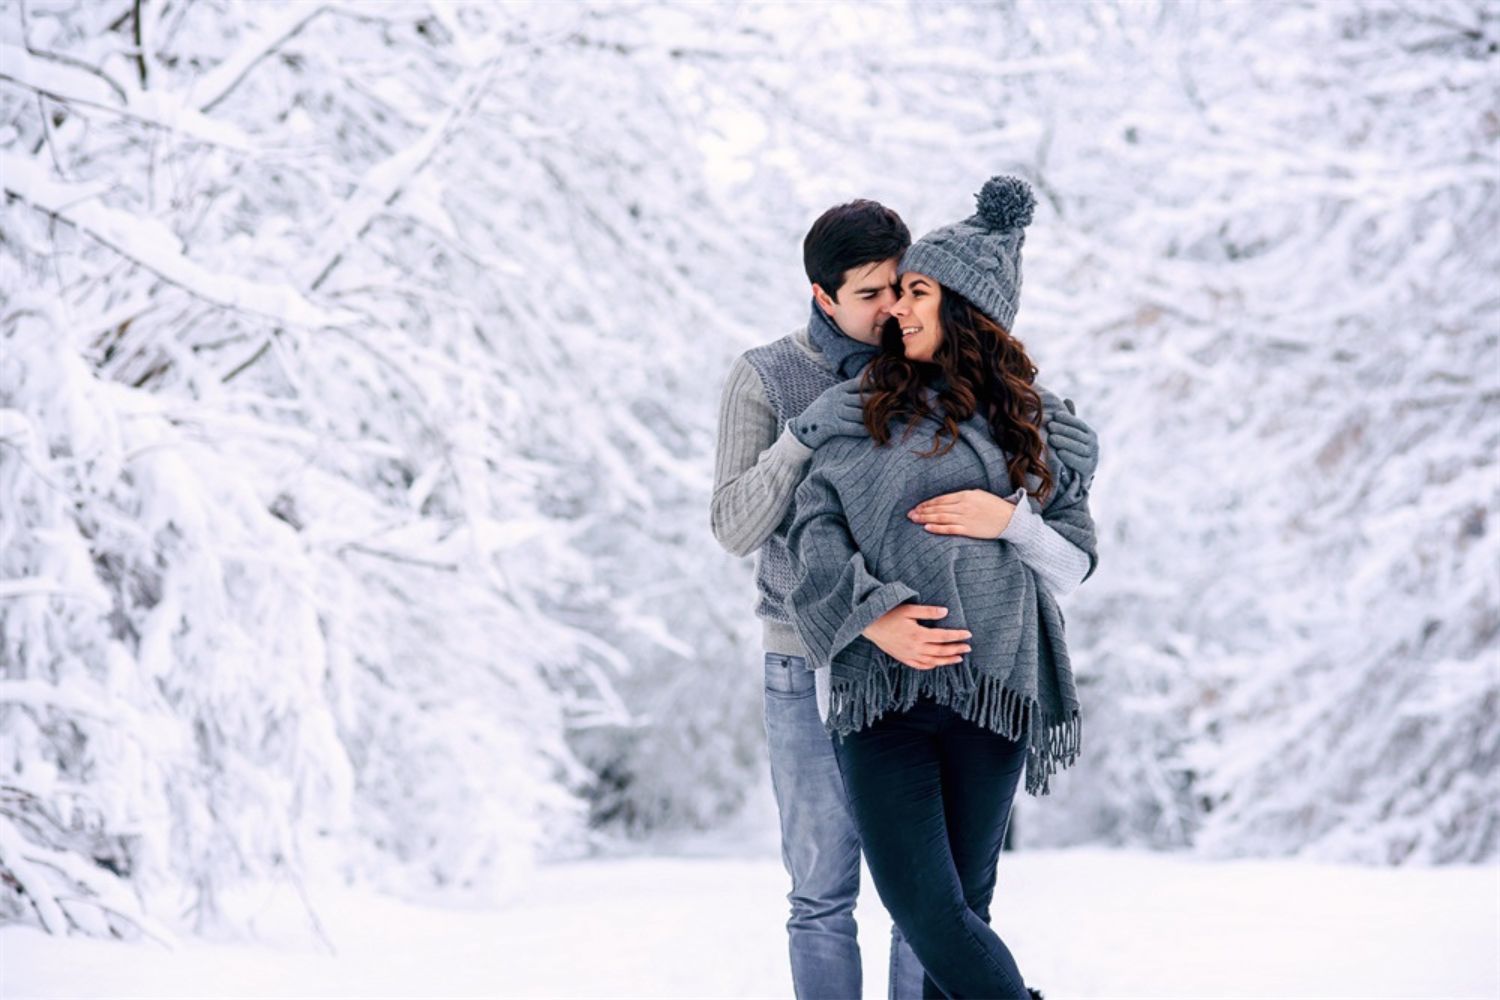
(756, 467)
(836, 598)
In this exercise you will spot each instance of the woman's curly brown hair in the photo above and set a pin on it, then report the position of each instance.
(984, 366)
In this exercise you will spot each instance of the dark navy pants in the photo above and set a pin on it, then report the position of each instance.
(931, 796)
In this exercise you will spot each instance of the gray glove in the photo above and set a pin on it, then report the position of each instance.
(836, 413)
(1075, 442)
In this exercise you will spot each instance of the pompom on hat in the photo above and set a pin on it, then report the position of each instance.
(980, 257)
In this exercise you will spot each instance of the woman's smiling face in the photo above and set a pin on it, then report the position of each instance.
(916, 312)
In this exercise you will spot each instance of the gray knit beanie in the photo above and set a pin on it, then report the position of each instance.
(980, 257)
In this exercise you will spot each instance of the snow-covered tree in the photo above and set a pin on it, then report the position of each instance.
(1287, 335)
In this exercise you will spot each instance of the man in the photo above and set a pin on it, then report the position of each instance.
(850, 255)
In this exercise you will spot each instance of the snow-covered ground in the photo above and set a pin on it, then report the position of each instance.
(1083, 923)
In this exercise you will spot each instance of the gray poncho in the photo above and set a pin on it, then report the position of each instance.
(859, 556)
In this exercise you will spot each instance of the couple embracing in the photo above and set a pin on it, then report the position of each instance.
(918, 504)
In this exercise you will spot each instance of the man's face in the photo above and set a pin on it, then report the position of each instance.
(864, 300)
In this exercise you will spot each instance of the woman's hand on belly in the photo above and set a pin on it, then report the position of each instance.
(903, 638)
(972, 513)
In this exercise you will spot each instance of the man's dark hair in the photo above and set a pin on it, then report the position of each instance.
(846, 236)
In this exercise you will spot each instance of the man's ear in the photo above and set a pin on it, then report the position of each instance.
(823, 299)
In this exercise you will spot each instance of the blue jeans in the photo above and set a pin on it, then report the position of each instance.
(819, 847)
(931, 794)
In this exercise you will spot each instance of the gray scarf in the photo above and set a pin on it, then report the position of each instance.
(846, 355)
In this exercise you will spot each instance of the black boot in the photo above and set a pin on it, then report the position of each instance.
(1035, 993)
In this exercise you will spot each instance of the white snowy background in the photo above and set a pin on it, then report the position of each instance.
(361, 629)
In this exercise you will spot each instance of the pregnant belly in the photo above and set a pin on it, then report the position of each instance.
(921, 559)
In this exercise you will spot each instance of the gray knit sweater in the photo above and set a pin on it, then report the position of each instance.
(860, 556)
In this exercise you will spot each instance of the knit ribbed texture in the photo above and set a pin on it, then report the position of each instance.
(997, 292)
(757, 468)
(758, 465)
(860, 556)
(980, 257)
(840, 352)
(1061, 565)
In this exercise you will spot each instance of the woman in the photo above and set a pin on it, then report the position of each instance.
(931, 751)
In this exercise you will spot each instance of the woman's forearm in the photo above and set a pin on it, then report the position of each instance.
(1061, 565)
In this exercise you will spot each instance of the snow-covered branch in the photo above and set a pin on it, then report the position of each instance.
(73, 85)
(151, 245)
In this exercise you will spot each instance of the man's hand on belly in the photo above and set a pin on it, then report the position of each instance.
(973, 513)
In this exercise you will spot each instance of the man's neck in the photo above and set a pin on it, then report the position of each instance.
(845, 354)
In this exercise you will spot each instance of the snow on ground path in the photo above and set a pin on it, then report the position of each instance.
(1082, 922)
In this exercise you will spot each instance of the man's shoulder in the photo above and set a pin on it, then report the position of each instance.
(775, 347)
(754, 368)
(772, 360)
